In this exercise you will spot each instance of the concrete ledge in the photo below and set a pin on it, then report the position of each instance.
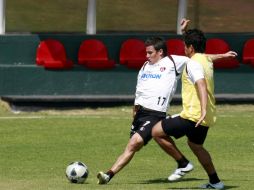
(116, 98)
(69, 98)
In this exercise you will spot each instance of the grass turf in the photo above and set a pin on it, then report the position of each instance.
(36, 147)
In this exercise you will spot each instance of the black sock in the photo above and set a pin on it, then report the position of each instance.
(110, 173)
(183, 162)
(213, 178)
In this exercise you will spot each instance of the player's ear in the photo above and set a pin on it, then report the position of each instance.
(161, 52)
(191, 48)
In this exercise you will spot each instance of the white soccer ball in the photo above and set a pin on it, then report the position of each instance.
(77, 172)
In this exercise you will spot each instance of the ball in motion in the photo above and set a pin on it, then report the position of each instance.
(77, 172)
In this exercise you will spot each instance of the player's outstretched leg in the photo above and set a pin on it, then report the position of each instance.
(135, 143)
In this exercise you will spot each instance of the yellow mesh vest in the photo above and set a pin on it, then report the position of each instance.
(191, 103)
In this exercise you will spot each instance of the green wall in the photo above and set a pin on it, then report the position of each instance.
(19, 75)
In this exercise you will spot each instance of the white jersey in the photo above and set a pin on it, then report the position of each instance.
(157, 82)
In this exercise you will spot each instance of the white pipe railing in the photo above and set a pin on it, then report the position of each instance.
(182, 12)
(91, 17)
(2, 16)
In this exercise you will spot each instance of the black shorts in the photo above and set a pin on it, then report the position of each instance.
(144, 121)
(178, 127)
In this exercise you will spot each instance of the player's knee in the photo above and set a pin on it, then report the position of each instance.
(157, 139)
(195, 147)
(134, 147)
(136, 143)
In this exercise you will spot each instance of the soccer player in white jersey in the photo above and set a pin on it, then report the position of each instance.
(156, 84)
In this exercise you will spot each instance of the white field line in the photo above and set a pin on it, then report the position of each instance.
(61, 117)
(88, 116)
(21, 117)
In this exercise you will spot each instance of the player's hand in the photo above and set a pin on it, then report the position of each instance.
(184, 24)
(201, 118)
(230, 54)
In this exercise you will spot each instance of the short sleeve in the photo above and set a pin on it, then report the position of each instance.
(195, 71)
(180, 61)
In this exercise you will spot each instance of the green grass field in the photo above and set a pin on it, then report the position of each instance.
(35, 148)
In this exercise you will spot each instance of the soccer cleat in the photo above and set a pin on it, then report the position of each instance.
(218, 185)
(180, 172)
(103, 178)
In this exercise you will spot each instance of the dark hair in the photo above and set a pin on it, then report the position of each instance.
(158, 43)
(196, 38)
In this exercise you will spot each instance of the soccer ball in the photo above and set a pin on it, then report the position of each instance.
(77, 172)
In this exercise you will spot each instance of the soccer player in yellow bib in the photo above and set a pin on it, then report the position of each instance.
(198, 112)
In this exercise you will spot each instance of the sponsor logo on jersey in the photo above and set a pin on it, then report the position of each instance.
(162, 69)
(150, 76)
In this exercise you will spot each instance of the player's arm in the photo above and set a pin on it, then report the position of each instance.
(227, 55)
(203, 96)
(196, 76)
(184, 25)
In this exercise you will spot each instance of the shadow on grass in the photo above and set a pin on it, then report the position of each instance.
(230, 187)
(177, 188)
(164, 180)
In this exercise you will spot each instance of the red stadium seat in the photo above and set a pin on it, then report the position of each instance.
(175, 47)
(248, 52)
(93, 54)
(217, 46)
(133, 53)
(52, 55)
